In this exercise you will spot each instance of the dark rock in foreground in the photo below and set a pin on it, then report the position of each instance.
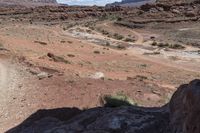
(182, 115)
(185, 108)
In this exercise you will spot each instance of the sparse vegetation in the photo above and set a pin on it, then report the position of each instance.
(40, 42)
(107, 44)
(117, 100)
(129, 40)
(143, 65)
(97, 52)
(58, 58)
(176, 46)
(141, 77)
(152, 53)
(62, 41)
(70, 42)
(104, 32)
(167, 45)
(2, 47)
(121, 47)
(118, 36)
(71, 55)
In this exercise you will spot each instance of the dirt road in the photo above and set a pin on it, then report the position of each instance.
(3, 76)
(8, 81)
(139, 37)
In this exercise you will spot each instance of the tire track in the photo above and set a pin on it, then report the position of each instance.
(3, 76)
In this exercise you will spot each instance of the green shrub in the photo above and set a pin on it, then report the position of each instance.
(118, 36)
(117, 100)
(167, 45)
(154, 43)
(176, 46)
(97, 52)
(104, 32)
(121, 47)
(162, 45)
(129, 40)
(107, 43)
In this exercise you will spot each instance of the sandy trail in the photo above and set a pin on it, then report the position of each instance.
(8, 81)
(3, 76)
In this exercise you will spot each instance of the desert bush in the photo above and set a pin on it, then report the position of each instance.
(88, 31)
(104, 32)
(71, 55)
(70, 42)
(117, 100)
(163, 45)
(118, 36)
(119, 19)
(167, 45)
(64, 28)
(97, 52)
(121, 47)
(176, 46)
(143, 65)
(154, 43)
(63, 41)
(129, 40)
(141, 77)
(91, 27)
(58, 58)
(107, 43)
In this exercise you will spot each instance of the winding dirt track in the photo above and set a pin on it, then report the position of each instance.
(8, 81)
(3, 76)
(140, 38)
(160, 60)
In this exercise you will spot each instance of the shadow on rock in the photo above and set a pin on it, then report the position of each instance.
(45, 119)
(181, 115)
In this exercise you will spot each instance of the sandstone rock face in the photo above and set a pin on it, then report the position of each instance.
(182, 115)
(27, 2)
(185, 109)
(130, 3)
(104, 120)
(176, 1)
(34, 1)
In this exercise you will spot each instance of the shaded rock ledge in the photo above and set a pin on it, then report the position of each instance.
(181, 115)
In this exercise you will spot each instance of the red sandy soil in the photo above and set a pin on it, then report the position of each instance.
(151, 82)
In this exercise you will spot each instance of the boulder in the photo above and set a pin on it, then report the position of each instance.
(185, 108)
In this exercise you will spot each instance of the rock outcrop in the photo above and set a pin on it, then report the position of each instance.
(176, 1)
(131, 3)
(27, 2)
(181, 115)
(185, 109)
(30, 1)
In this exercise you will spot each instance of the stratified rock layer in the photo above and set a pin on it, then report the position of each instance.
(32, 1)
(27, 3)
